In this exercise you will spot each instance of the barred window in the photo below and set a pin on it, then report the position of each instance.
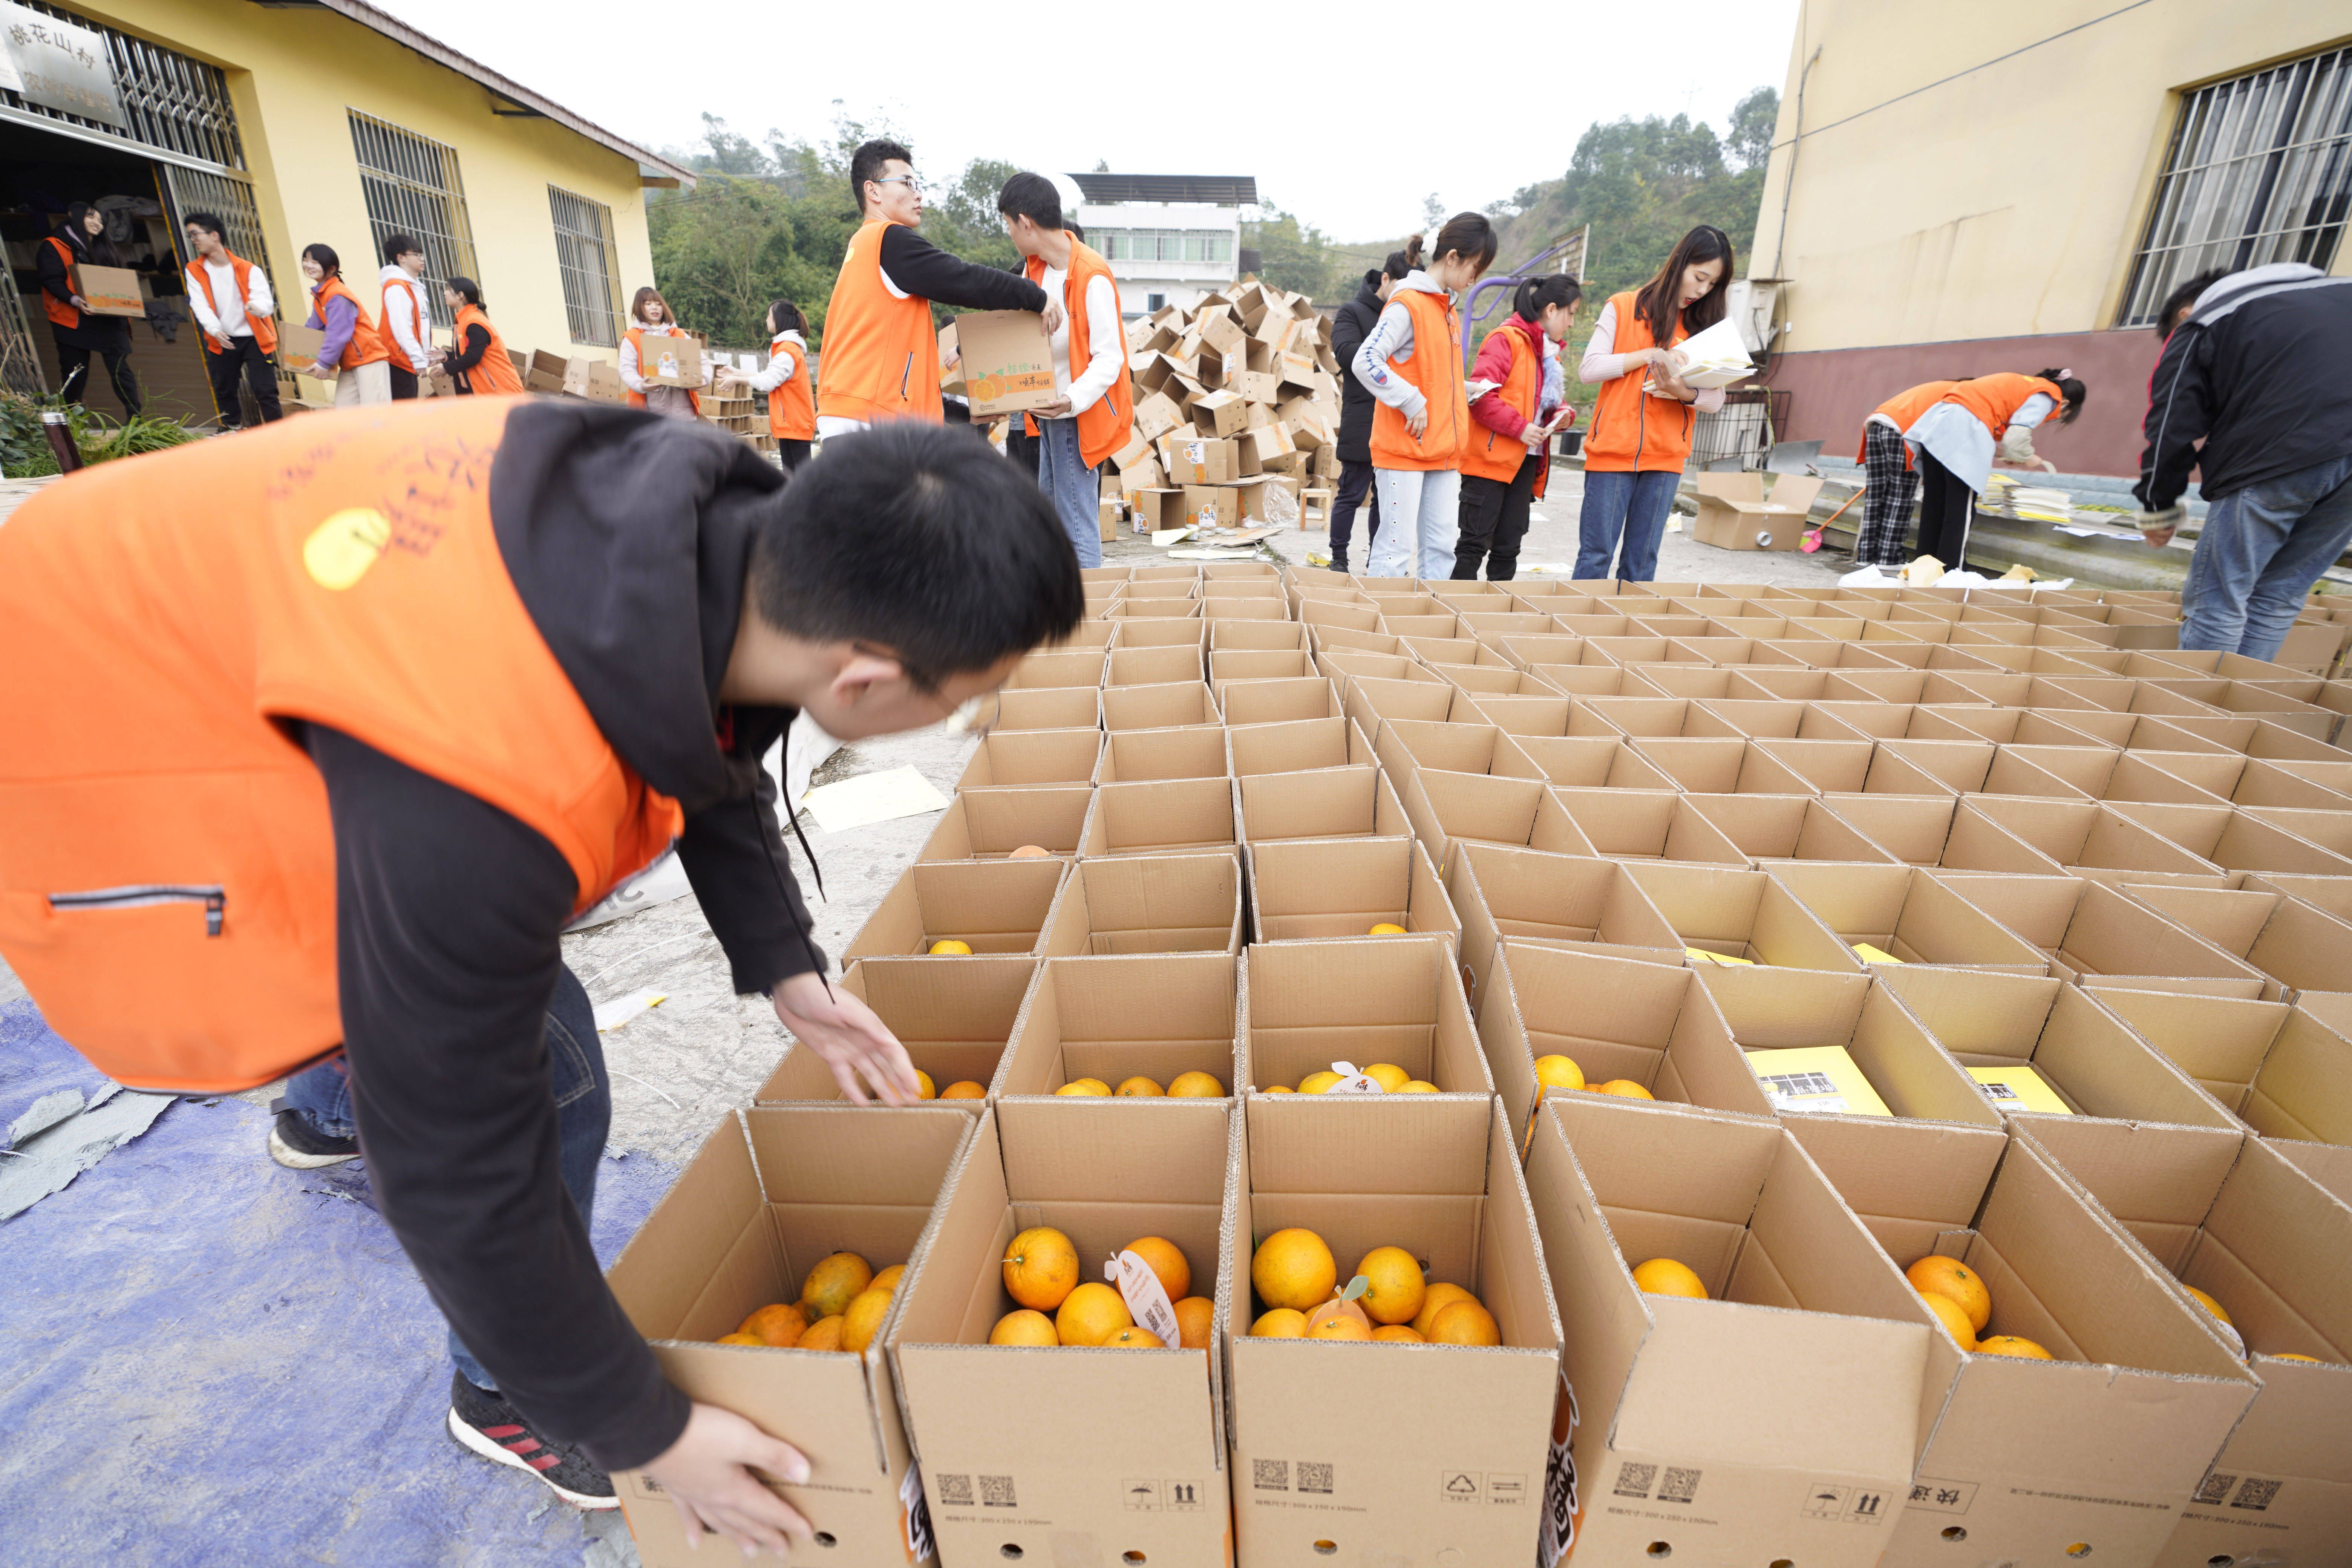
(412, 187)
(590, 264)
(2259, 169)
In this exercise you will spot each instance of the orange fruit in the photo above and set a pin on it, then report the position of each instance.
(1167, 1262)
(1086, 1086)
(1387, 928)
(863, 1318)
(1316, 1082)
(1955, 1317)
(1334, 1308)
(1040, 1268)
(925, 1089)
(1338, 1326)
(1389, 1076)
(1433, 1300)
(1398, 1334)
(1030, 852)
(2010, 1344)
(1465, 1323)
(1281, 1323)
(740, 1338)
(1625, 1089)
(2277, 1355)
(950, 945)
(1419, 1085)
(1140, 1087)
(1559, 1072)
(1091, 1314)
(834, 1283)
(1195, 1085)
(825, 1334)
(1664, 1277)
(775, 1324)
(1196, 1321)
(1023, 1326)
(1280, 1088)
(2210, 1304)
(1293, 1269)
(967, 1090)
(1134, 1339)
(1936, 1274)
(888, 1278)
(1395, 1286)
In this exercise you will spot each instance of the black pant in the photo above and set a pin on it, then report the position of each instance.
(261, 377)
(791, 454)
(1355, 481)
(404, 383)
(1947, 505)
(1019, 445)
(73, 364)
(1493, 519)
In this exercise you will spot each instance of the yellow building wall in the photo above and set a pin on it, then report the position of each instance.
(293, 75)
(2010, 200)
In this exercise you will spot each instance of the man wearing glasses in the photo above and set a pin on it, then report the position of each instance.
(881, 353)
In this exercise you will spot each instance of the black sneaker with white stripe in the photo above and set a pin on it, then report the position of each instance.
(495, 1430)
(299, 1146)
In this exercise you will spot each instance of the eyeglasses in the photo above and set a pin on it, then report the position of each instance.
(914, 186)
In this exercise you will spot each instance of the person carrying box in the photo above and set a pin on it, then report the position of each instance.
(322, 770)
(353, 353)
(79, 331)
(650, 322)
(231, 299)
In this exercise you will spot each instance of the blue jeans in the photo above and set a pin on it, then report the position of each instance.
(583, 1112)
(1421, 517)
(1074, 489)
(2262, 549)
(1631, 507)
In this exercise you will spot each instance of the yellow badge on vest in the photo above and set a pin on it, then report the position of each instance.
(341, 549)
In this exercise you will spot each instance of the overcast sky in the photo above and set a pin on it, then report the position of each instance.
(1166, 89)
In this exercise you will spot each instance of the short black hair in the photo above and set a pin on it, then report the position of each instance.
(2178, 303)
(1031, 197)
(865, 163)
(922, 540)
(324, 255)
(209, 222)
(396, 246)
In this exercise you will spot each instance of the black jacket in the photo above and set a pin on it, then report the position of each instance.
(100, 334)
(2257, 372)
(1350, 326)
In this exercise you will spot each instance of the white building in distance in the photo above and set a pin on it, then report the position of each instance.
(1171, 238)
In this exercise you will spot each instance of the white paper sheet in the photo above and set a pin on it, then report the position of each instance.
(873, 797)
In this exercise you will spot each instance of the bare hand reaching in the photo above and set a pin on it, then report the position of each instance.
(706, 1474)
(1052, 318)
(853, 1042)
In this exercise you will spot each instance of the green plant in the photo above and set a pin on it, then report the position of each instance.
(24, 448)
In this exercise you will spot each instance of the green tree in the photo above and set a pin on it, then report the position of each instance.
(1752, 119)
(1291, 255)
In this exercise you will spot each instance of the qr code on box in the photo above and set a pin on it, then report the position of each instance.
(1314, 1478)
(1634, 1480)
(1680, 1486)
(955, 1492)
(996, 1491)
(1270, 1475)
(2216, 1489)
(2255, 1494)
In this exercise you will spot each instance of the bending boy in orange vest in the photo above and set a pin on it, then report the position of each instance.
(330, 764)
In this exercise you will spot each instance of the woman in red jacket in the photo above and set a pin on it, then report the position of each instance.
(1509, 457)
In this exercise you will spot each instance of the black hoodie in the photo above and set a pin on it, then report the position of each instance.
(1351, 325)
(628, 537)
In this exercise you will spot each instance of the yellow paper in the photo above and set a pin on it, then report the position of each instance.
(1701, 955)
(2020, 1088)
(1815, 1078)
(1875, 955)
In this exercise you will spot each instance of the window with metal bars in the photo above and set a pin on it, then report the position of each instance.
(2259, 169)
(169, 101)
(412, 187)
(590, 264)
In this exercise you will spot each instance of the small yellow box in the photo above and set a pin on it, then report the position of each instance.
(2020, 1088)
(1870, 954)
(1815, 1078)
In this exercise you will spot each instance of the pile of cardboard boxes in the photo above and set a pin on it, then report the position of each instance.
(1933, 922)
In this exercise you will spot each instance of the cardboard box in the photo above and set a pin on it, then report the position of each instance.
(1033, 1421)
(1145, 904)
(1008, 364)
(1908, 914)
(1735, 512)
(1048, 708)
(1564, 899)
(1247, 702)
(954, 1022)
(992, 905)
(1057, 667)
(1770, 827)
(1199, 460)
(1311, 889)
(1219, 414)
(1448, 810)
(671, 360)
(1257, 664)
(1741, 914)
(1171, 817)
(1296, 746)
(1020, 757)
(1151, 1015)
(771, 1192)
(2286, 1072)
(1190, 752)
(116, 291)
(1319, 803)
(2299, 947)
(1393, 999)
(544, 372)
(1774, 1422)
(298, 345)
(1324, 1467)
(991, 824)
(1650, 825)
(2091, 930)
(1159, 707)
(1153, 666)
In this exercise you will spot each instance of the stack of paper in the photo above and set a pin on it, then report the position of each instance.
(1715, 357)
(2042, 505)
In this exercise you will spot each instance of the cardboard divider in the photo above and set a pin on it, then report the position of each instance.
(1145, 756)
(1156, 1016)
(991, 824)
(1579, 901)
(1160, 706)
(991, 906)
(1066, 667)
(1741, 914)
(1021, 757)
(1764, 827)
(1590, 761)
(1317, 889)
(2299, 947)
(771, 1192)
(1319, 802)
(1167, 817)
(954, 1023)
(2097, 841)
(1296, 746)
(1148, 903)
(1048, 708)
(1653, 825)
(1541, 717)
(1448, 810)
(2286, 1072)
(1245, 703)
(1906, 913)
(2092, 931)
(1394, 1000)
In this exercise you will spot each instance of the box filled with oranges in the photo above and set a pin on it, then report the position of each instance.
(1147, 1025)
(1309, 888)
(959, 907)
(1389, 1004)
(953, 1019)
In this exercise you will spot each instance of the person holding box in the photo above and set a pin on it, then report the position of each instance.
(1950, 428)
(479, 363)
(1508, 463)
(791, 403)
(1412, 362)
(1092, 419)
(415, 687)
(79, 333)
(231, 299)
(649, 317)
(1350, 324)
(881, 348)
(353, 355)
(1641, 433)
(407, 324)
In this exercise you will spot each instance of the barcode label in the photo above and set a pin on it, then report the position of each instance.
(1793, 1084)
(1998, 1091)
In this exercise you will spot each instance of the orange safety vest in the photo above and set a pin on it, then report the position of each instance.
(792, 407)
(1436, 372)
(265, 329)
(424, 319)
(61, 311)
(1491, 455)
(1632, 431)
(637, 336)
(1905, 408)
(881, 356)
(167, 861)
(1106, 424)
(1995, 399)
(366, 346)
(497, 372)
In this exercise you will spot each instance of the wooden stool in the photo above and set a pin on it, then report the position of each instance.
(1309, 516)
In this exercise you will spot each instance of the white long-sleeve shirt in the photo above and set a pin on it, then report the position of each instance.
(1390, 340)
(780, 363)
(1603, 363)
(1106, 341)
(401, 313)
(238, 323)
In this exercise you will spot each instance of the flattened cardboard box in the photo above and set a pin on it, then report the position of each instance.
(954, 1021)
(1155, 1015)
(772, 1191)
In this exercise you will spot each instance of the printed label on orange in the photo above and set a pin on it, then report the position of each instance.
(1147, 1300)
(1353, 1082)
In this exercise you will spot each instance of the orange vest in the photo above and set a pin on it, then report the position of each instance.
(61, 311)
(881, 356)
(1632, 431)
(1435, 370)
(264, 331)
(366, 346)
(424, 319)
(1108, 424)
(167, 862)
(637, 336)
(497, 372)
(1905, 408)
(1995, 399)
(792, 407)
(1490, 454)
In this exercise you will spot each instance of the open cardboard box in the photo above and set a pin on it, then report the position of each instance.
(1312, 888)
(1772, 827)
(1027, 1449)
(2299, 947)
(1448, 810)
(1775, 1422)
(1167, 817)
(1007, 363)
(1393, 999)
(1295, 746)
(1370, 701)
(771, 1192)
(1148, 903)
(1908, 914)
(1163, 707)
(1318, 803)
(1160, 666)
(2095, 840)
(991, 824)
(1654, 825)
(953, 1021)
(1144, 756)
(992, 905)
(1735, 513)
(1739, 913)
(1278, 701)
(1376, 1452)
(1019, 757)
(1155, 1015)
(1259, 664)
(2092, 931)
(1577, 900)
(1049, 668)
(1048, 708)
(2286, 1072)
(1407, 745)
